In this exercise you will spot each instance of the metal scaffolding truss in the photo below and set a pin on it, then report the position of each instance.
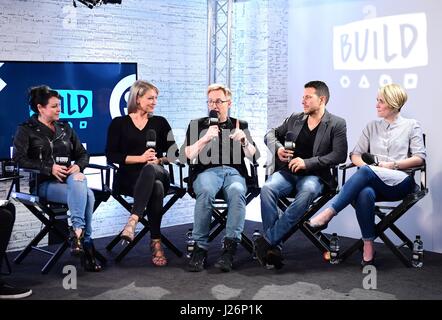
(219, 31)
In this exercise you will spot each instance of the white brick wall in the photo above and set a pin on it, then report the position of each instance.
(259, 68)
(278, 63)
(168, 41)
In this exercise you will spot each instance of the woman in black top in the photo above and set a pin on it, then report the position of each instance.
(141, 174)
(45, 143)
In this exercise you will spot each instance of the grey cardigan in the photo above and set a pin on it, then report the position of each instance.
(329, 149)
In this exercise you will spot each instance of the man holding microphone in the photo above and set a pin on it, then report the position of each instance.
(215, 148)
(306, 145)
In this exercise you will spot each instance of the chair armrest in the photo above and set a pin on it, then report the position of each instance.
(112, 165)
(32, 173)
(412, 170)
(423, 176)
(180, 166)
(178, 163)
(346, 166)
(28, 170)
(104, 174)
(99, 166)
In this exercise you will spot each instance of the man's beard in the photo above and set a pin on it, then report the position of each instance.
(311, 111)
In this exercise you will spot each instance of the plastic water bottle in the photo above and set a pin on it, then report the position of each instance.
(190, 243)
(256, 234)
(334, 249)
(417, 258)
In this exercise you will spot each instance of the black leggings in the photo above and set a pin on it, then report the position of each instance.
(150, 188)
(7, 219)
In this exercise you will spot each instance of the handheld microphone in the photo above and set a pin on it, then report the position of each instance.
(213, 118)
(289, 144)
(59, 151)
(369, 158)
(151, 139)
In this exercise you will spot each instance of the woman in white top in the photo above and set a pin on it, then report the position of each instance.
(398, 144)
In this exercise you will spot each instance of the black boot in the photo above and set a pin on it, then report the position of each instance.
(76, 242)
(225, 262)
(89, 261)
(261, 246)
(198, 260)
(274, 257)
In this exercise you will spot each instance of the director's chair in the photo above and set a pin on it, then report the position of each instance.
(175, 192)
(319, 239)
(389, 214)
(53, 216)
(220, 208)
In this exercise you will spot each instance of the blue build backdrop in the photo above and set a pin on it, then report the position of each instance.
(91, 95)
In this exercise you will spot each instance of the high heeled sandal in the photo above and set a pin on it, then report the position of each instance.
(158, 257)
(128, 233)
(76, 242)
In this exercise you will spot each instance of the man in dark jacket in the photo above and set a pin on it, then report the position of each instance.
(306, 145)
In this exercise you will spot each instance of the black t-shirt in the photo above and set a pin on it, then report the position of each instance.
(221, 150)
(304, 146)
(305, 142)
(125, 139)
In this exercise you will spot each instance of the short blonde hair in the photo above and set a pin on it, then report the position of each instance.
(223, 88)
(394, 95)
(138, 89)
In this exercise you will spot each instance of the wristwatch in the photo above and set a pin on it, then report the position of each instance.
(395, 166)
(245, 144)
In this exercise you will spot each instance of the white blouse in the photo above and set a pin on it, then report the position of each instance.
(391, 142)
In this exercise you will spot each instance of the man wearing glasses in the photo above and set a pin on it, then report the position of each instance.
(305, 146)
(215, 148)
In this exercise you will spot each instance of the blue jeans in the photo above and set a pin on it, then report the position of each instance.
(363, 189)
(207, 184)
(281, 184)
(79, 198)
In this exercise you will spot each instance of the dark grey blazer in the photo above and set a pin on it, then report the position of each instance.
(329, 149)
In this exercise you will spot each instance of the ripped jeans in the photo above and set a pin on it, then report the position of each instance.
(79, 198)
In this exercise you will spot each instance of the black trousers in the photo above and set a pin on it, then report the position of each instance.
(7, 219)
(149, 191)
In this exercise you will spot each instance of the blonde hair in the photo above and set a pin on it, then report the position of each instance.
(138, 89)
(223, 88)
(394, 95)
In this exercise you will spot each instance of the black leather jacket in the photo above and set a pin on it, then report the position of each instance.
(38, 147)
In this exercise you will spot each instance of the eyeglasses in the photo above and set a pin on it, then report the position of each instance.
(218, 102)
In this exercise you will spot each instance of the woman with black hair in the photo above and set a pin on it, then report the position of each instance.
(45, 143)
